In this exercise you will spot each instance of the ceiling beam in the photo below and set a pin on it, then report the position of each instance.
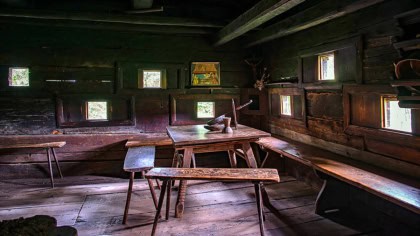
(108, 18)
(262, 12)
(330, 9)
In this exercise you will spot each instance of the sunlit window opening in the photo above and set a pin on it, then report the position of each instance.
(286, 105)
(97, 111)
(326, 66)
(394, 117)
(18, 76)
(205, 109)
(152, 78)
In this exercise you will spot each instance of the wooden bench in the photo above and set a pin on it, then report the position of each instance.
(335, 169)
(257, 176)
(140, 157)
(49, 147)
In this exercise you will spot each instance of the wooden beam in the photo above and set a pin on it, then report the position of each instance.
(262, 12)
(310, 17)
(108, 18)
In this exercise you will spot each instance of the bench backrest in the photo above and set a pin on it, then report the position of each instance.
(140, 159)
(219, 174)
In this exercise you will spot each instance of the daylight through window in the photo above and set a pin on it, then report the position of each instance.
(205, 109)
(97, 111)
(152, 78)
(394, 117)
(286, 105)
(326, 66)
(18, 76)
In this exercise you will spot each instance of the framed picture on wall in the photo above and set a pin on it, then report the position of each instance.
(205, 74)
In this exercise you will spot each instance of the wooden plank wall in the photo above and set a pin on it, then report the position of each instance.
(327, 115)
(102, 63)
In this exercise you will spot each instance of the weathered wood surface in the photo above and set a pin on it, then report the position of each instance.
(197, 134)
(260, 13)
(399, 193)
(215, 174)
(161, 140)
(139, 159)
(400, 190)
(93, 205)
(34, 145)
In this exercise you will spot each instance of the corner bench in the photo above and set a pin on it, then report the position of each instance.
(335, 169)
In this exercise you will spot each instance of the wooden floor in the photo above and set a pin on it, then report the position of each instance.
(95, 205)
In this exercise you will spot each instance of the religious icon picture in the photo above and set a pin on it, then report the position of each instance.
(205, 73)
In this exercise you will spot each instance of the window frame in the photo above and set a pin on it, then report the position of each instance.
(291, 105)
(383, 114)
(140, 78)
(108, 110)
(196, 110)
(320, 74)
(10, 75)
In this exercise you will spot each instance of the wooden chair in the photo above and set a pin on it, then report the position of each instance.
(139, 159)
(257, 176)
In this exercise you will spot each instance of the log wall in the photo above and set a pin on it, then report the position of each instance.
(345, 116)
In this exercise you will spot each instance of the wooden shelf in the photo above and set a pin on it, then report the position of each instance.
(397, 83)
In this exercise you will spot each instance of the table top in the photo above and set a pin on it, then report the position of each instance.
(34, 145)
(197, 134)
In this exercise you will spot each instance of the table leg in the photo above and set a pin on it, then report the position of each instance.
(56, 162)
(250, 160)
(232, 159)
(179, 209)
(50, 167)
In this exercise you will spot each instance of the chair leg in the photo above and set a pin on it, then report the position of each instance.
(56, 162)
(259, 206)
(152, 192)
(168, 200)
(50, 167)
(161, 197)
(127, 202)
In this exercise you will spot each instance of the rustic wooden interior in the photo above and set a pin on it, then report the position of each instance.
(79, 51)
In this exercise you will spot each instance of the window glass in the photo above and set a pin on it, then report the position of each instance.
(286, 105)
(152, 78)
(326, 66)
(97, 111)
(205, 109)
(18, 76)
(394, 117)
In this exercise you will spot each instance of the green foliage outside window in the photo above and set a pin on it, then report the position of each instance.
(97, 111)
(19, 77)
(205, 109)
(151, 79)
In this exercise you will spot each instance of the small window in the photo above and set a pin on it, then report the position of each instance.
(205, 110)
(394, 117)
(97, 111)
(326, 66)
(286, 105)
(151, 79)
(18, 76)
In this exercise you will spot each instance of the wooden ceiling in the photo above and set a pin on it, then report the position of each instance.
(259, 20)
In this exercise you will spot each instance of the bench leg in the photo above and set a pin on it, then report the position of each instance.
(259, 206)
(334, 196)
(168, 199)
(127, 202)
(50, 167)
(161, 197)
(56, 162)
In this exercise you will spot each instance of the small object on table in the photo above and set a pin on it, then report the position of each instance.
(227, 129)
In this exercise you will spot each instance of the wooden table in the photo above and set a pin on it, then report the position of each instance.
(49, 147)
(193, 139)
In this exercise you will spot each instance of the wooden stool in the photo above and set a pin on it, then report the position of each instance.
(139, 159)
(213, 174)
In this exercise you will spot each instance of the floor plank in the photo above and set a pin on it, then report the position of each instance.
(94, 206)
